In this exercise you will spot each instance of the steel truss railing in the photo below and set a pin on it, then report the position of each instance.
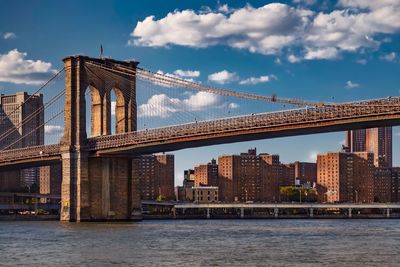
(272, 119)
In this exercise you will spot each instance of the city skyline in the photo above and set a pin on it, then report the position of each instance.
(291, 67)
(173, 133)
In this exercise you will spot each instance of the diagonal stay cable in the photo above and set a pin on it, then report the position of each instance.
(162, 78)
(31, 116)
(33, 130)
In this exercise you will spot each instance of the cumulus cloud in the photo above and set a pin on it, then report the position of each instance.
(263, 30)
(321, 53)
(362, 61)
(274, 28)
(187, 73)
(305, 2)
(163, 106)
(9, 35)
(293, 59)
(312, 155)
(15, 68)
(225, 9)
(113, 106)
(233, 105)
(223, 77)
(350, 84)
(389, 57)
(53, 129)
(257, 80)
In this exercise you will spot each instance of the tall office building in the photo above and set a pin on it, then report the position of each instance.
(17, 119)
(355, 140)
(375, 140)
(156, 176)
(379, 142)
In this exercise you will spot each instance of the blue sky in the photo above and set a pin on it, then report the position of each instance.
(317, 50)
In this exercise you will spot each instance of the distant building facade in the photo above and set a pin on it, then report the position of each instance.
(206, 174)
(205, 194)
(383, 185)
(21, 114)
(346, 177)
(305, 172)
(374, 140)
(379, 142)
(249, 177)
(50, 179)
(156, 176)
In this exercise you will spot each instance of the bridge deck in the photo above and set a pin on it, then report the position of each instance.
(251, 127)
(381, 112)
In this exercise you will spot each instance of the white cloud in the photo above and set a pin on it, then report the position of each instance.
(305, 2)
(223, 77)
(263, 30)
(187, 73)
(9, 35)
(225, 9)
(353, 25)
(14, 68)
(113, 106)
(389, 57)
(163, 106)
(312, 155)
(166, 84)
(362, 61)
(278, 61)
(293, 59)
(233, 105)
(53, 129)
(350, 84)
(257, 80)
(321, 53)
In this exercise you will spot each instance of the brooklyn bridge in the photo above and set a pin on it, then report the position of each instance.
(96, 153)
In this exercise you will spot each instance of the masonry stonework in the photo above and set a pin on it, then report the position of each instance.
(97, 187)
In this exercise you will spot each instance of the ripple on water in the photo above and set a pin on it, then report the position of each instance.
(202, 243)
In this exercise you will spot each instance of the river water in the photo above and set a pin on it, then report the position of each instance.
(354, 242)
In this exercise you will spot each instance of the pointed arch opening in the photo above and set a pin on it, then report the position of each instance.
(93, 114)
(118, 111)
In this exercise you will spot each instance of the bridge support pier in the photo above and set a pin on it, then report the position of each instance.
(208, 213)
(111, 194)
(242, 213)
(387, 213)
(311, 213)
(74, 187)
(350, 215)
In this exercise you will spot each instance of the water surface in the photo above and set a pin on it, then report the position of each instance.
(202, 243)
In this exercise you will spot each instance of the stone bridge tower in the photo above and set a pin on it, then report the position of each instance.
(97, 187)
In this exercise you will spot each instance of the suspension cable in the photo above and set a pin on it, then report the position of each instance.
(169, 80)
(32, 115)
(33, 130)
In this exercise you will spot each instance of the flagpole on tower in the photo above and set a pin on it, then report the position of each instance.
(101, 51)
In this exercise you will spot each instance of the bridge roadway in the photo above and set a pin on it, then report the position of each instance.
(309, 120)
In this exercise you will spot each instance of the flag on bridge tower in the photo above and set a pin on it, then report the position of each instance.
(101, 51)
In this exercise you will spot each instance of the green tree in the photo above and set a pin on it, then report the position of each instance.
(293, 193)
(161, 198)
